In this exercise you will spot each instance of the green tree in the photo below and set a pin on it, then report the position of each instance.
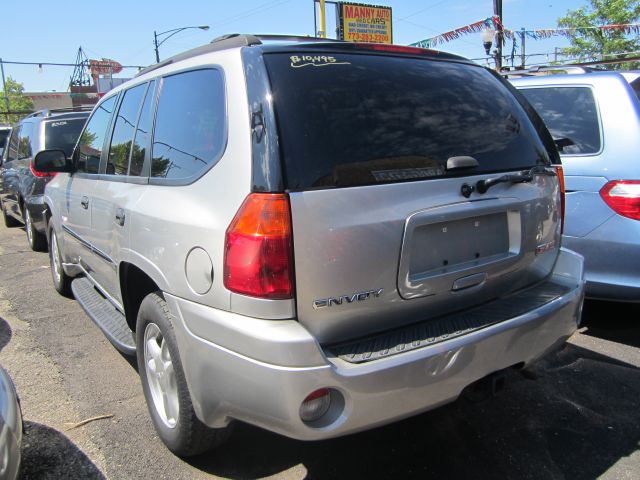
(17, 101)
(594, 44)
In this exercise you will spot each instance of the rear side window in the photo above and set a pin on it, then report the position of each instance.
(24, 144)
(12, 152)
(4, 134)
(63, 134)
(635, 85)
(348, 119)
(92, 138)
(141, 139)
(571, 116)
(190, 129)
(118, 159)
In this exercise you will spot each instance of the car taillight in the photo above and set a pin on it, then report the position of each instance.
(623, 196)
(39, 174)
(258, 256)
(560, 173)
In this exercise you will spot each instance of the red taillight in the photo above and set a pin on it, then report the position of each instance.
(37, 173)
(383, 47)
(560, 173)
(258, 256)
(623, 196)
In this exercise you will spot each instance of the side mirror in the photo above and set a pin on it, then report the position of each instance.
(49, 161)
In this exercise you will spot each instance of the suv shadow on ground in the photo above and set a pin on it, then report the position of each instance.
(577, 420)
(616, 322)
(47, 453)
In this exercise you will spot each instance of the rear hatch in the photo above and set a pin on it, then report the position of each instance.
(383, 236)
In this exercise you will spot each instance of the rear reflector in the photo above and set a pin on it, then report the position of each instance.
(315, 405)
(39, 174)
(560, 173)
(258, 257)
(623, 196)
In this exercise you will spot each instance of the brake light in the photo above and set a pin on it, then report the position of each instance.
(560, 173)
(39, 174)
(258, 257)
(382, 47)
(623, 196)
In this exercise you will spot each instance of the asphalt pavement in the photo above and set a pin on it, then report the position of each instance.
(575, 415)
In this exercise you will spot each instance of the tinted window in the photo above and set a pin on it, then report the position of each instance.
(118, 160)
(571, 116)
(63, 134)
(24, 144)
(362, 119)
(12, 152)
(190, 132)
(635, 85)
(92, 138)
(4, 134)
(141, 140)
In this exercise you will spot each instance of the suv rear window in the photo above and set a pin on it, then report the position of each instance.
(356, 119)
(571, 116)
(4, 134)
(63, 134)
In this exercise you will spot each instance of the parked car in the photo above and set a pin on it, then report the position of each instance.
(5, 130)
(10, 428)
(21, 186)
(595, 119)
(313, 237)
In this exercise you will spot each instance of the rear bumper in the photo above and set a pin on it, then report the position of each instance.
(260, 371)
(37, 208)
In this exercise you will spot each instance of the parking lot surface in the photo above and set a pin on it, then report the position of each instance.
(574, 415)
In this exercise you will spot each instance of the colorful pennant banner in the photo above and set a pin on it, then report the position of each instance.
(537, 34)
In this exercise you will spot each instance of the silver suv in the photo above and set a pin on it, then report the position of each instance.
(313, 237)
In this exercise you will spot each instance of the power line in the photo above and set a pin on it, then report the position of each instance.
(53, 64)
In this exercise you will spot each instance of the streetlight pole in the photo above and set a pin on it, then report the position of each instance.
(497, 10)
(172, 32)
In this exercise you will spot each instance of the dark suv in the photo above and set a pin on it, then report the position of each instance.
(21, 186)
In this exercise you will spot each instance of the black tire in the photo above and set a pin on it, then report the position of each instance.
(37, 241)
(183, 433)
(61, 281)
(9, 221)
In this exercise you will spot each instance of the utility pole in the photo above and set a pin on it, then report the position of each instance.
(522, 55)
(4, 89)
(497, 10)
(323, 22)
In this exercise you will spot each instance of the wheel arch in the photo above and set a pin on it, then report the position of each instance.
(135, 284)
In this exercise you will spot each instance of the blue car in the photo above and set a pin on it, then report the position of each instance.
(594, 118)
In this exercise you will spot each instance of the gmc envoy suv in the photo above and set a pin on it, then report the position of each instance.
(313, 237)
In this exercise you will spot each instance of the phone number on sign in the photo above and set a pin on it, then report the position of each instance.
(368, 37)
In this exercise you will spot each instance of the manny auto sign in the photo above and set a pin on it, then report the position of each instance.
(364, 23)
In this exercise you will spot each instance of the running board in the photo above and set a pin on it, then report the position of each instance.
(112, 323)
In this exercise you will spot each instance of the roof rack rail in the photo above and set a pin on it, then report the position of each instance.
(546, 70)
(233, 40)
(47, 112)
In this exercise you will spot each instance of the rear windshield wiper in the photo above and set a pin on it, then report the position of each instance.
(521, 177)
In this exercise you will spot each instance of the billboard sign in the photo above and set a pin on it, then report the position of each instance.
(364, 23)
(105, 66)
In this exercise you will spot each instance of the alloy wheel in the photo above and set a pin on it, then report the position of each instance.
(161, 376)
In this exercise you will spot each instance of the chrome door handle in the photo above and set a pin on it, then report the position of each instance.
(84, 202)
(120, 216)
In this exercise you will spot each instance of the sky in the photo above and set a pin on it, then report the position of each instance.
(45, 31)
